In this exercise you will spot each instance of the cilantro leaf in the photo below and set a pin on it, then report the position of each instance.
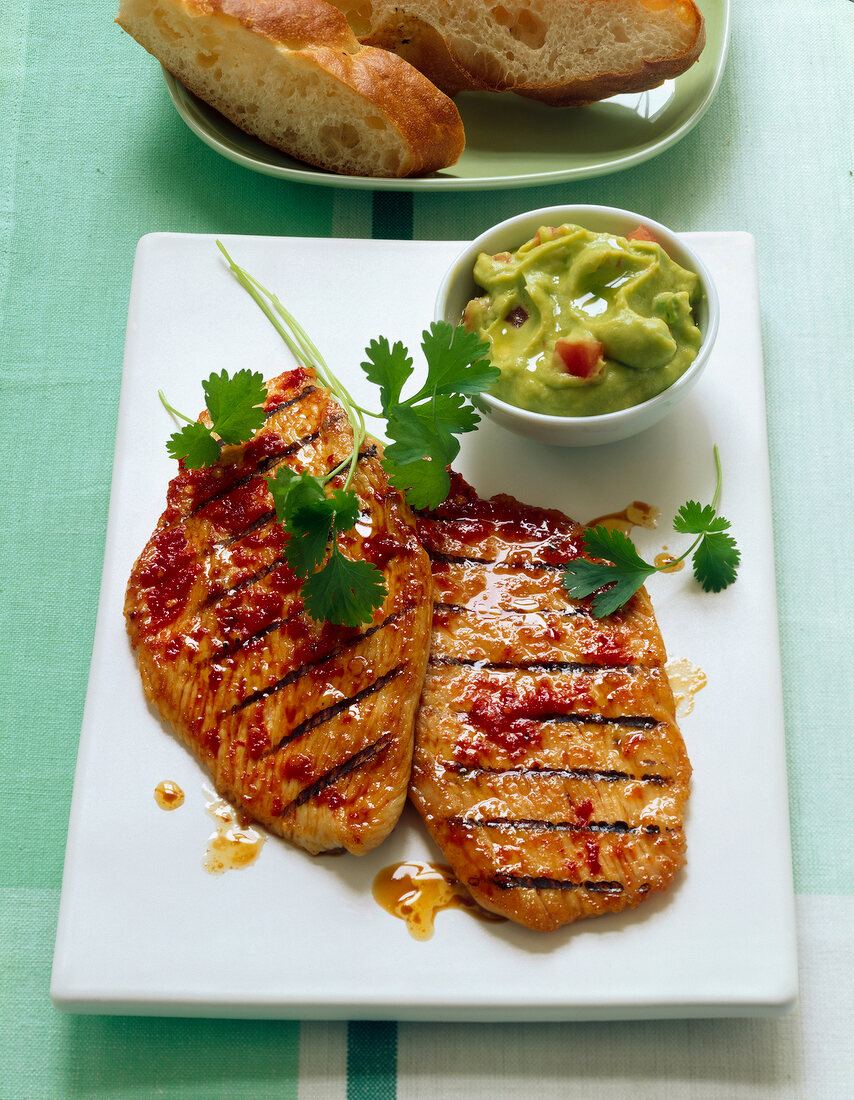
(425, 482)
(234, 413)
(235, 404)
(284, 484)
(423, 428)
(457, 360)
(195, 445)
(613, 586)
(344, 592)
(618, 581)
(449, 412)
(616, 547)
(693, 519)
(309, 516)
(388, 368)
(716, 560)
(345, 509)
(415, 437)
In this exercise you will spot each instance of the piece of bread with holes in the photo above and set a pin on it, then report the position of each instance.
(565, 52)
(292, 73)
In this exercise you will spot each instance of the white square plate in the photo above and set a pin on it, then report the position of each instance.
(144, 929)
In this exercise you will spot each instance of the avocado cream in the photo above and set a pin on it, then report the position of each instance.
(582, 323)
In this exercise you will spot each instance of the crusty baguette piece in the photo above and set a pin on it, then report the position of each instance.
(565, 52)
(292, 73)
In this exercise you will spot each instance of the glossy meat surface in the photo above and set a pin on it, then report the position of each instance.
(548, 764)
(306, 727)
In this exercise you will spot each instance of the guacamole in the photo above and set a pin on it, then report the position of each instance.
(582, 323)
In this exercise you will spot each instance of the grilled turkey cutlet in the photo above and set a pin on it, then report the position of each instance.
(306, 727)
(548, 765)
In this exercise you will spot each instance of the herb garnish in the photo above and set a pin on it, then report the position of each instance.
(423, 430)
(235, 406)
(424, 426)
(715, 562)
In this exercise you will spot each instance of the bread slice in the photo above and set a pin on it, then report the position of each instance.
(292, 73)
(565, 52)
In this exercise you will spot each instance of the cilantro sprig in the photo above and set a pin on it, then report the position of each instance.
(616, 579)
(424, 427)
(236, 411)
(335, 588)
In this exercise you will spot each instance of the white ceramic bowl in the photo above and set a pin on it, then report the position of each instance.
(458, 288)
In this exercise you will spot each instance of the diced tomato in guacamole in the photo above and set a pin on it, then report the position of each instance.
(641, 234)
(580, 358)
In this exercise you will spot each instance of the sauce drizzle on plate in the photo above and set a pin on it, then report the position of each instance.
(636, 514)
(168, 795)
(235, 844)
(686, 679)
(415, 892)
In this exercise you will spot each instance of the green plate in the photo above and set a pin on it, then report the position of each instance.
(511, 141)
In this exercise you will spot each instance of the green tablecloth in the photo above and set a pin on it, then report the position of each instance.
(92, 156)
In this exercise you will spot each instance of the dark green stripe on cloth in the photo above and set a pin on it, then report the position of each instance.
(391, 215)
(371, 1061)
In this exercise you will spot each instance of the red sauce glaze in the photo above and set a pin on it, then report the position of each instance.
(605, 649)
(266, 445)
(234, 512)
(475, 520)
(285, 386)
(330, 797)
(632, 743)
(591, 854)
(192, 489)
(313, 641)
(493, 702)
(249, 551)
(299, 767)
(167, 577)
(211, 741)
(379, 549)
(277, 806)
(215, 676)
(272, 537)
(284, 581)
(257, 736)
(172, 648)
(512, 721)
(583, 811)
(241, 621)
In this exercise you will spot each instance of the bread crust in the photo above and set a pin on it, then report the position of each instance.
(429, 38)
(343, 106)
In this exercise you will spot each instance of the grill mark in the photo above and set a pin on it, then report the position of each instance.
(230, 648)
(607, 775)
(471, 561)
(258, 575)
(460, 609)
(259, 468)
(529, 666)
(635, 723)
(311, 666)
(291, 401)
(357, 760)
(536, 825)
(540, 882)
(262, 520)
(337, 708)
